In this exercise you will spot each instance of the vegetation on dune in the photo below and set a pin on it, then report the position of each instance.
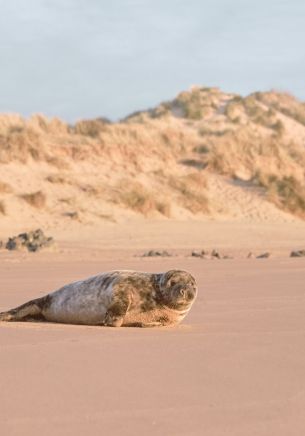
(139, 199)
(251, 151)
(192, 192)
(172, 148)
(286, 192)
(195, 104)
(58, 179)
(201, 149)
(251, 109)
(35, 199)
(284, 103)
(91, 128)
(5, 188)
(2, 208)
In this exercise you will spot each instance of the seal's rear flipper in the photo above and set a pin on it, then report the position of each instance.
(5, 316)
(31, 309)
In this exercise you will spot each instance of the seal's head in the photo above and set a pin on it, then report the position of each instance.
(178, 289)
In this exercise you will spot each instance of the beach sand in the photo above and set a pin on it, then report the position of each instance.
(235, 366)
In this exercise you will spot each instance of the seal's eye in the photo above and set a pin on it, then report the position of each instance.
(173, 282)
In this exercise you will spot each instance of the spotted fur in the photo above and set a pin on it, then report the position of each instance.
(116, 298)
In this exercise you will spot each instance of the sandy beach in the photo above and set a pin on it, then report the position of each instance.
(235, 366)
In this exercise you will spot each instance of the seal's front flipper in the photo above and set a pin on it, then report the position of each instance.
(143, 324)
(116, 313)
(31, 309)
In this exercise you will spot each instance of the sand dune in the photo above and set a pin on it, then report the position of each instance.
(204, 155)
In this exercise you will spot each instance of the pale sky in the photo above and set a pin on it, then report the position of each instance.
(88, 58)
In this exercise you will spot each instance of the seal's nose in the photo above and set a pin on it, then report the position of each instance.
(191, 293)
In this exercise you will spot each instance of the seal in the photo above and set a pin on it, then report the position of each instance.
(115, 299)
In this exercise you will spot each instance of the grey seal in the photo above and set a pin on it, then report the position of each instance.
(115, 298)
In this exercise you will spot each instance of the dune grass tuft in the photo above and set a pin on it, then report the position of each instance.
(286, 192)
(139, 199)
(5, 188)
(35, 199)
(191, 190)
(2, 208)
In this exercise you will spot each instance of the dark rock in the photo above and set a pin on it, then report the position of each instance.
(263, 256)
(201, 254)
(32, 241)
(155, 253)
(297, 253)
(216, 254)
(195, 254)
